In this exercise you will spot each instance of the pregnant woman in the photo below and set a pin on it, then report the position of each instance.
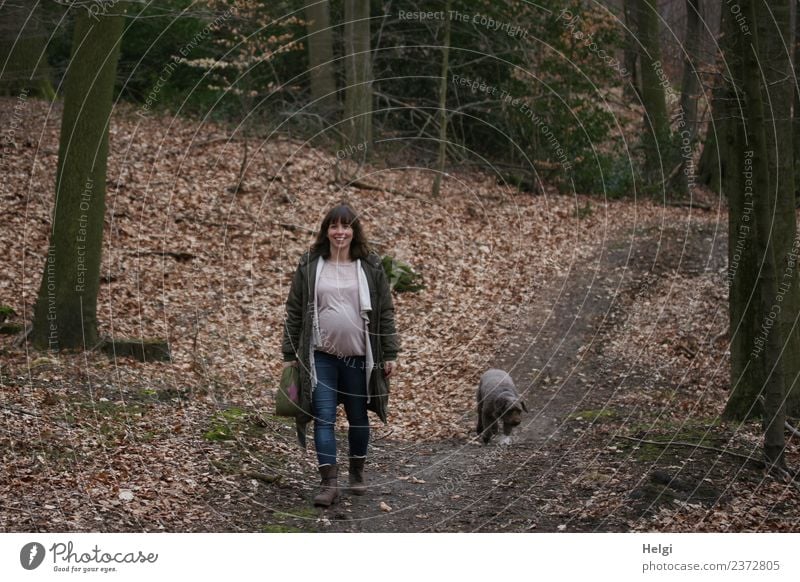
(340, 330)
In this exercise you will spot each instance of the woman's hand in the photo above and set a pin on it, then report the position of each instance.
(287, 364)
(389, 368)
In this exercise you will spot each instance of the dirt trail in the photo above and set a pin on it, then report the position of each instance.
(555, 356)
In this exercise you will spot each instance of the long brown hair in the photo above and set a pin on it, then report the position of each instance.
(341, 214)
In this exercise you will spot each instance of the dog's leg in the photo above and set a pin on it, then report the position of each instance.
(493, 431)
(506, 440)
(489, 427)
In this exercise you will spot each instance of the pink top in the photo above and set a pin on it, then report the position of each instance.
(340, 323)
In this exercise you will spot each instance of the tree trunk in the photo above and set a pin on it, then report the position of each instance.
(65, 315)
(796, 120)
(774, 36)
(773, 382)
(713, 159)
(709, 167)
(630, 50)
(757, 336)
(690, 87)
(437, 180)
(743, 290)
(749, 296)
(656, 121)
(320, 57)
(687, 121)
(358, 64)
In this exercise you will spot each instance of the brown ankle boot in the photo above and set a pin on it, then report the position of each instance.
(356, 476)
(330, 486)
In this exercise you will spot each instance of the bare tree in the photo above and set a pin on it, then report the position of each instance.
(656, 121)
(320, 56)
(691, 82)
(437, 180)
(65, 315)
(762, 339)
(358, 65)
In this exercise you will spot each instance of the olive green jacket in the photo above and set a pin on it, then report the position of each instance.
(297, 332)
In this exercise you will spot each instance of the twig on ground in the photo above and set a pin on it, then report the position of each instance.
(20, 410)
(262, 476)
(180, 257)
(378, 438)
(290, 226)
(719, 336)
(20, 509)
(667, 444)
(688, 204)
(366, 186)
(23, 337)
(213, 140)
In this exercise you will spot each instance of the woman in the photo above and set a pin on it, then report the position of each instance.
(340, 330)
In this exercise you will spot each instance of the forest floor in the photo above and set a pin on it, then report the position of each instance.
(615, 440)
(611, 316)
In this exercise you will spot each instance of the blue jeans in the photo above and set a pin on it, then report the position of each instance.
(339, 380)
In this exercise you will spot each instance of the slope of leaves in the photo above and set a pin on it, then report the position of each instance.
(185, 259)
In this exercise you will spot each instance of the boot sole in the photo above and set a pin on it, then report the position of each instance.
(357, 490)
(322, 504)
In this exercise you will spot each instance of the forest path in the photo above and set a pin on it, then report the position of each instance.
(541, 481)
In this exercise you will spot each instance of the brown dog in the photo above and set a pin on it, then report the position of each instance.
(498, 401)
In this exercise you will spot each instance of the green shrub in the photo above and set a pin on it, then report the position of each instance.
(402, 277)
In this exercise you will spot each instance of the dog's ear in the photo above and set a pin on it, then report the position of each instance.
(525, 408)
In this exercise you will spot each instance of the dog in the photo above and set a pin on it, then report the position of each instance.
(498, 401)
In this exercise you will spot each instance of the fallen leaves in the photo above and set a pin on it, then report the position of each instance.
(117, 444)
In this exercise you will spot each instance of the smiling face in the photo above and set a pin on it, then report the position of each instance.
(340, 236)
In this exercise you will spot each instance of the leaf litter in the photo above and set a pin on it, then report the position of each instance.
(102, 445)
